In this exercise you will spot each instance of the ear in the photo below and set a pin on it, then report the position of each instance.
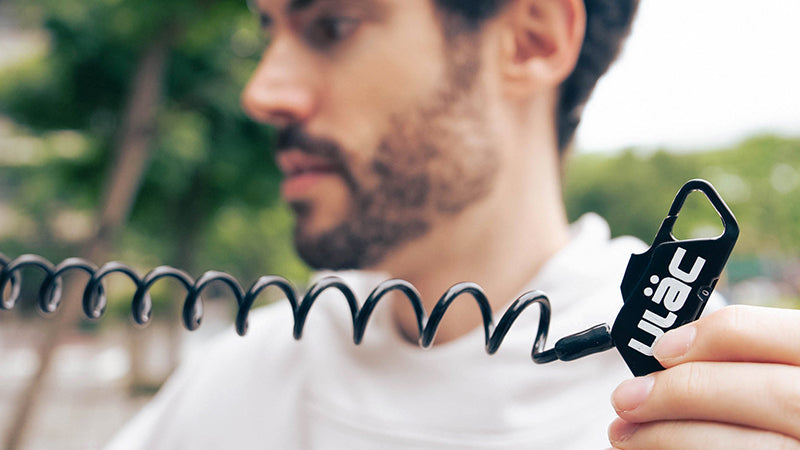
(541, 42)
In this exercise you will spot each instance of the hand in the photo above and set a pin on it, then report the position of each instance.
(732, 380)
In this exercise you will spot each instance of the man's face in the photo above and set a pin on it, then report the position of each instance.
(382, 133)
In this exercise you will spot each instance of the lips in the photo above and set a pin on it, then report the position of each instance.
(303, 172)
(293, 163)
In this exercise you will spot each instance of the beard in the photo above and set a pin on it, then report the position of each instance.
(433, 163)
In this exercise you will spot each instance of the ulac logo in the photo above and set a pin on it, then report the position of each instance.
(670, 292)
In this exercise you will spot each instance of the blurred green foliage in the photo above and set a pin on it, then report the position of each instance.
(759, 179)
(208, 199)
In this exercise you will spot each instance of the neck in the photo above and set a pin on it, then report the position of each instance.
(500, 243)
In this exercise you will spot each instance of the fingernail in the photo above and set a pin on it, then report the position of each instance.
(632, 393)
(621, 430)
(674, 343)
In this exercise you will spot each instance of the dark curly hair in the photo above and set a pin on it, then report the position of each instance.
(608, 23)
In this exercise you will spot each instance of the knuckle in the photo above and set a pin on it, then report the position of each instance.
(779, 442)
(688, 382)
(786, 393)
(728, 319)
(747, 438)
(729, 324)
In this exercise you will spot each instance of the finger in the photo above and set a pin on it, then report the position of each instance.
(761, 396)
(735, 333)
(693, 435)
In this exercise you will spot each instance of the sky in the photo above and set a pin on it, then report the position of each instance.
(699, 74)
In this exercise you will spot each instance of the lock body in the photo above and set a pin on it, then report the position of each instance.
(669, 285)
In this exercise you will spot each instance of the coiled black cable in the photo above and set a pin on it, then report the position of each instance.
(95, 301)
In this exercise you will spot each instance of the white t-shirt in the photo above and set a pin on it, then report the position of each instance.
(268, 391)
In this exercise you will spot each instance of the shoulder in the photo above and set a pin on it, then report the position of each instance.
(591, 262)
(222, 383)
(268, 342)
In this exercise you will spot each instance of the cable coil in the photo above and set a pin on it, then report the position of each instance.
(95, 300)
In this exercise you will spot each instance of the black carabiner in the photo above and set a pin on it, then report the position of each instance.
(669, 285)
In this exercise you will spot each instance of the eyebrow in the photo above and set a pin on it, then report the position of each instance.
(293, 7)
(298, 5)
(370, 5)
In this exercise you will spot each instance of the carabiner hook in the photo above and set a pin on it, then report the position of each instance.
(669, 284)
(731, 227)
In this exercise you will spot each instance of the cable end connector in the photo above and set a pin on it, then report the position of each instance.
(588, 342)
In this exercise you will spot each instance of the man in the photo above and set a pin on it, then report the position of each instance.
(423, 139)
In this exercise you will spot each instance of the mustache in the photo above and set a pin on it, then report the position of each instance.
(295, 138)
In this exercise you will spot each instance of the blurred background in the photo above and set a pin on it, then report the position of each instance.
(121, 138)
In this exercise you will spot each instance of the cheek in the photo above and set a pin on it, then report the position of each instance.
(362, 121)
(393, 67)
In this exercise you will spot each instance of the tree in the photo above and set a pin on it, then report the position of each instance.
(759, 178)
(181, 64)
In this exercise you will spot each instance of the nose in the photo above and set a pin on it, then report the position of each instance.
(279, 91)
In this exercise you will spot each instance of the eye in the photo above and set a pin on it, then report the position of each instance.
(266, 26)
(265, 23)
(329, 30)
